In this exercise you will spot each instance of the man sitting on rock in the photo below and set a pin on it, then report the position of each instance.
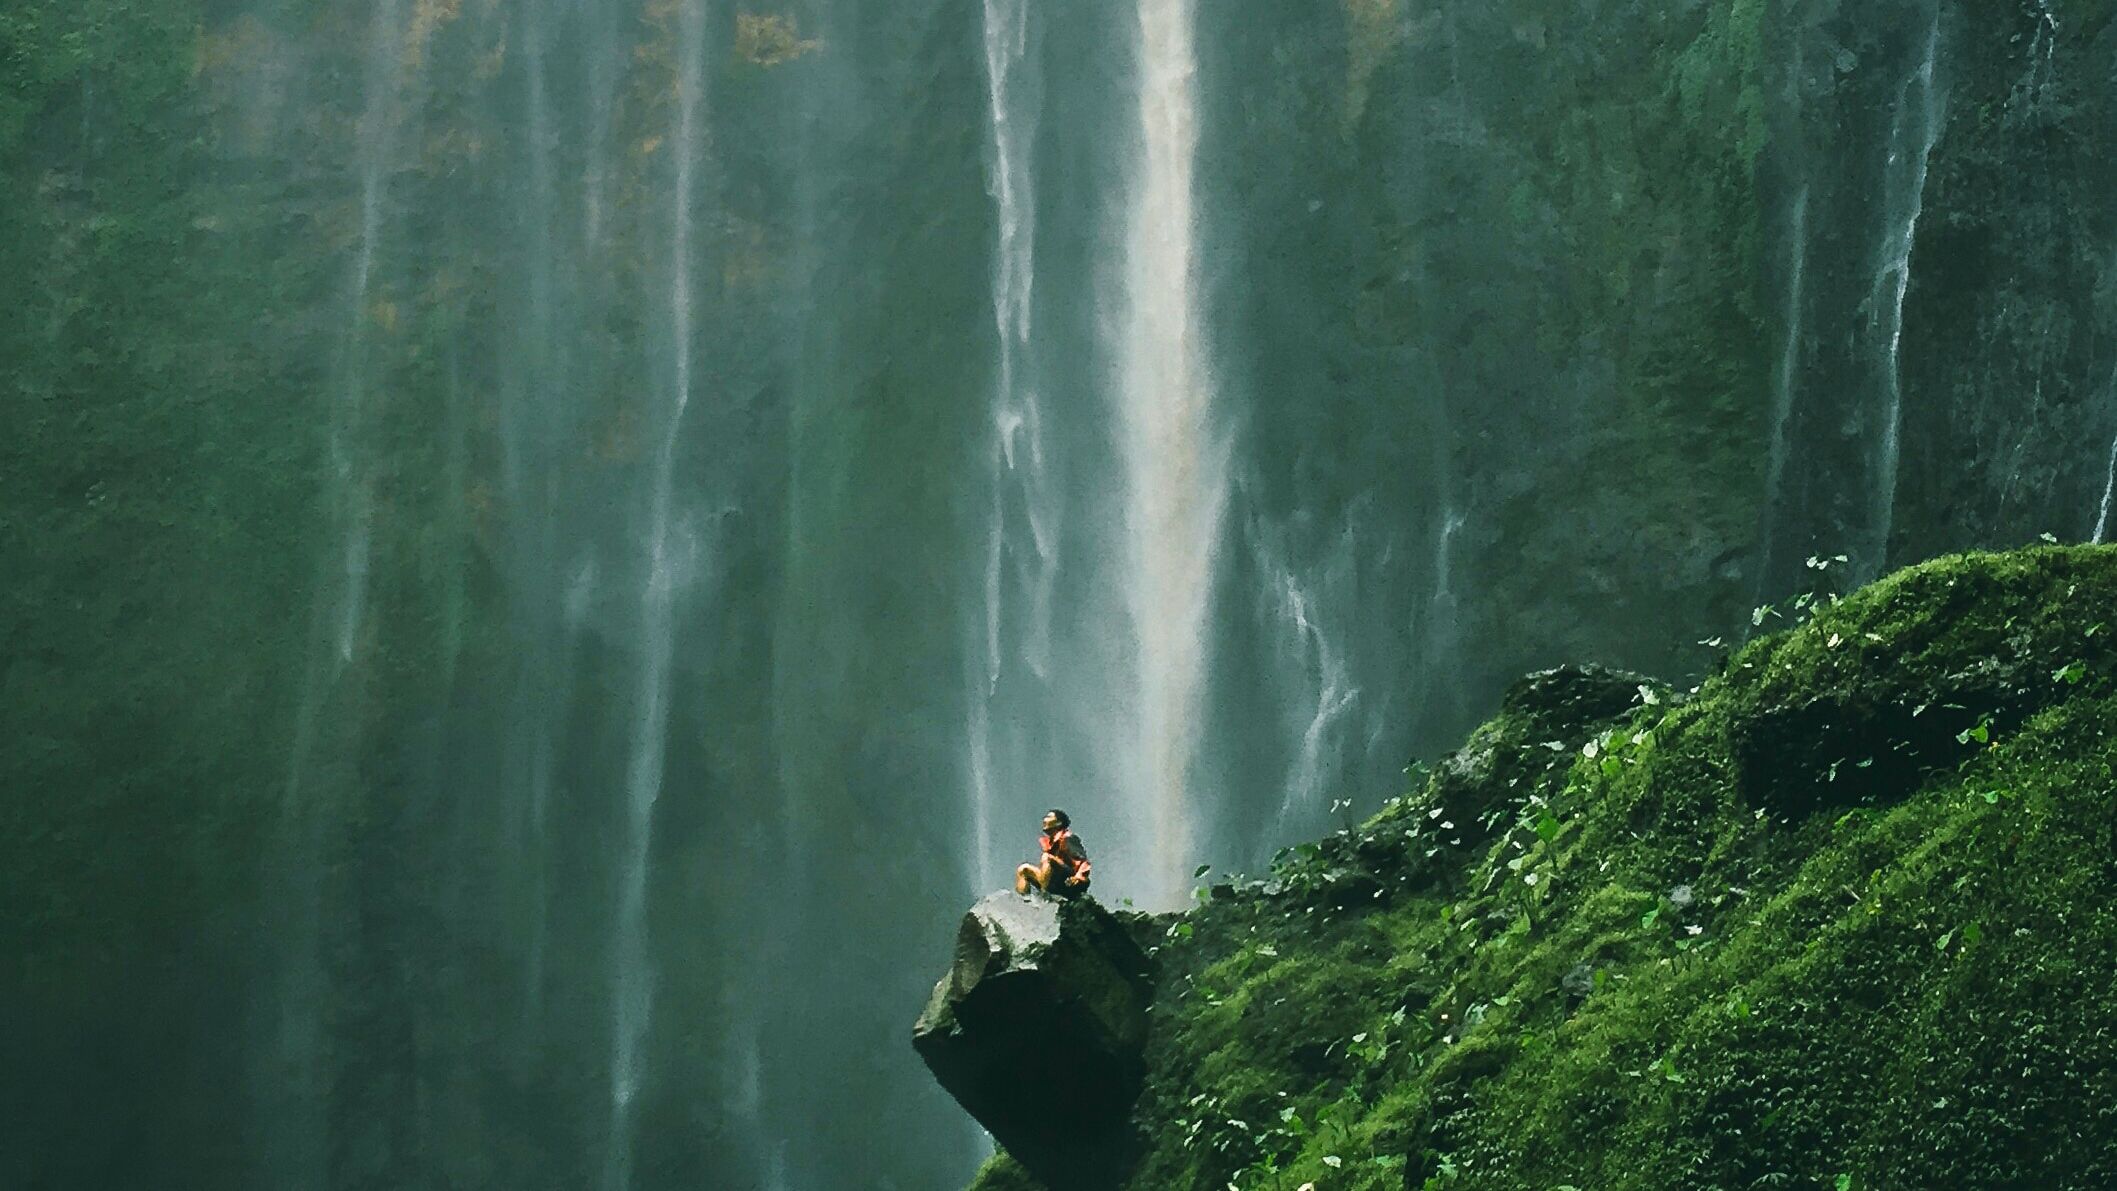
(1063, 869)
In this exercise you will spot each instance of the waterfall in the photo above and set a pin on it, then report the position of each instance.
(632, 974)
(1023, 508)
(580, 597)
(539, 330)
(2109, 489)
(604, 75)
(2043, 62)
(1916, 129)
(377, 144)
(1174, 459)
(1321, 666)
(1788, 379)
(1443, 604)
(295, 1082)
(529, 475)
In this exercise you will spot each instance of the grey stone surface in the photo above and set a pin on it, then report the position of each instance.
(1039, 1030)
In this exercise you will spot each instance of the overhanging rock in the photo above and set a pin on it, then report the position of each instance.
(1039, 1030)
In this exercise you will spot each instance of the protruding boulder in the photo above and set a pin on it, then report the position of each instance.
(1040, 1030)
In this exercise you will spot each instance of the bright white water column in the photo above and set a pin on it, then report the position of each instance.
(1911, 140)
(1023, 512)
(1174, 457)
(2109, 489)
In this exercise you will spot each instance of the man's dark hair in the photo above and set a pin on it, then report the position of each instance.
(1064, 819)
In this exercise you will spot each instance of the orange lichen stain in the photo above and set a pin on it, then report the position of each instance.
(427, 18)
(383, 314)
(648, 145)
(1375, 28)
(491, 62)
(770, 39)
(449, 147)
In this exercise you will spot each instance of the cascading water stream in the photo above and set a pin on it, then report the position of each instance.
(1786, 383)
(2043, 57)
(1442, 605)
(632, 976)
(1917, 128)
(2109, 484)
(2109, 489)
(580, 598)
(1319, 663)
(296, 1091)
(529, 474)
(1174, 457)
(1019, 488)
(602, 82)
(377, 146)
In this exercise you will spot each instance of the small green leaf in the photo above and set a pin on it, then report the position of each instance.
(1547, 826)
(1200, 871)
(1972, 932)
(2070, 674)
(1647, 919)
(1843, 1183)
(1941, 944)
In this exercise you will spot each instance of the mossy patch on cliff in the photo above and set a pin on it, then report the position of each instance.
(1838, 918)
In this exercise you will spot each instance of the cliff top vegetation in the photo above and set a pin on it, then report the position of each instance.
(1838, 918)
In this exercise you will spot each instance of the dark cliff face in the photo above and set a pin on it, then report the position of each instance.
(1588, 316)
(2008, 346)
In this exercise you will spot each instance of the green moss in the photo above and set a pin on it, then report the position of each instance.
(1645, 978)
(1003, 1173)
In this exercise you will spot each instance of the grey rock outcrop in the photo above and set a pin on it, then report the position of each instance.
(1039, 1030)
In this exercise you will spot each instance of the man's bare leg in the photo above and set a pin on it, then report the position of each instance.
(1041, 875)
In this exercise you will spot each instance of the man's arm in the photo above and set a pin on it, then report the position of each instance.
(1079, 856)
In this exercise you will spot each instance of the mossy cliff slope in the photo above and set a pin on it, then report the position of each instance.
(1839, 918)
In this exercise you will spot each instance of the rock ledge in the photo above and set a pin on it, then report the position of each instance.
(1039, 1030)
